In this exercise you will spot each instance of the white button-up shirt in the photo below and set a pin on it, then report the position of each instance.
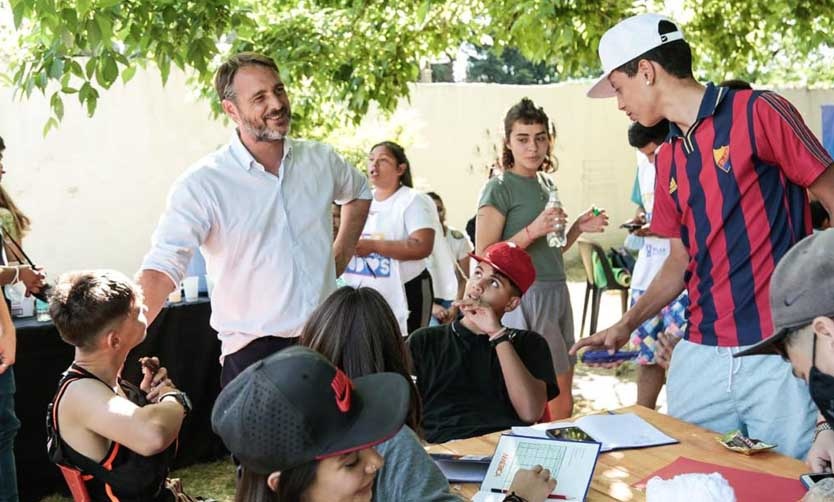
(267, 240)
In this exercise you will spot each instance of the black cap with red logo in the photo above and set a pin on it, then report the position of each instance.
(295, 406)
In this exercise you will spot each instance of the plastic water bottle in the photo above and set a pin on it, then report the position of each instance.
(555, 238)
(42, 311)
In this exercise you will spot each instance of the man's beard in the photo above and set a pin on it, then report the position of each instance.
(262, 132)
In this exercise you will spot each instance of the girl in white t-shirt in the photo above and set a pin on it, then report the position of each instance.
(398, 236)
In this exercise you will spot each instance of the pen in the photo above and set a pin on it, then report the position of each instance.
(549, 497)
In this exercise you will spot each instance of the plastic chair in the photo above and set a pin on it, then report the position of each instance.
(75, 482)
(586, 251)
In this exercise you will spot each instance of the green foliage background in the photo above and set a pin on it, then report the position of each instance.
(341, 56)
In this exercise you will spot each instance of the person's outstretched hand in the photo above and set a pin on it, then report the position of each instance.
(610, 339)
(593, 220)
(533, 485)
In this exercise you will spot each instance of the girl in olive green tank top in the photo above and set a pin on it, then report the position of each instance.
(513, 208)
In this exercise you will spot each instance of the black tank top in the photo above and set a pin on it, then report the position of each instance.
(123, 475)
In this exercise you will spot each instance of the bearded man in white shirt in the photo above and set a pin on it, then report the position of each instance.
(259, 209)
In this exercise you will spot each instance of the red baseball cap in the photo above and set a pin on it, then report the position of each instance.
(512, 261)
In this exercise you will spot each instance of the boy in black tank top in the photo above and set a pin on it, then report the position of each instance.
(121, 438)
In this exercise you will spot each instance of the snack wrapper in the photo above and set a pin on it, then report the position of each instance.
(738, 442)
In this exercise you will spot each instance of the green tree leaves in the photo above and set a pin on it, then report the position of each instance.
(85, 45)
(340, 57)
(762, 42)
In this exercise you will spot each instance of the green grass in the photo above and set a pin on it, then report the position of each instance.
(212, 480)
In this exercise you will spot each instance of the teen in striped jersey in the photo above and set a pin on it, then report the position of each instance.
(730, 194)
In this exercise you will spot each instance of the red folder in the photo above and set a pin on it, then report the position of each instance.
(750, 486)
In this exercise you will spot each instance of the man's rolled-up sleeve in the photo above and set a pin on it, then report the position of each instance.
(351, 184)
(184, 225)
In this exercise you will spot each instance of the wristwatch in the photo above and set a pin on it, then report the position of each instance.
(507, 336)
(512, 497)
(181, 397)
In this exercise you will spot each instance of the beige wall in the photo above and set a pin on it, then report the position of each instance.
(94, 188)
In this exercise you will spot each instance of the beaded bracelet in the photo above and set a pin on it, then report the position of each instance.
(497, 333)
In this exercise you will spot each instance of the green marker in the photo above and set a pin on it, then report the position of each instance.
(596, 211)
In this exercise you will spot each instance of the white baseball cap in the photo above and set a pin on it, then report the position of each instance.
(627, 40)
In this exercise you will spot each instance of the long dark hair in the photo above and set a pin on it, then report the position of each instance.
(526, 112)
(399, 153)
(20, 221)
(358, 332)
(253, 487)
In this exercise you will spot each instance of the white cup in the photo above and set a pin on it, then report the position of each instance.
(191, 286)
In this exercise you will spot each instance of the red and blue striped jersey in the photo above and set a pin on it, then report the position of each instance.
(732, 188)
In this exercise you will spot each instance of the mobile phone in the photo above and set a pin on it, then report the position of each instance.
(810, 479)
(602, 356)
(631, 226)
(570, 433)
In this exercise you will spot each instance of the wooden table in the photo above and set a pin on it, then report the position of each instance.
(616, 471)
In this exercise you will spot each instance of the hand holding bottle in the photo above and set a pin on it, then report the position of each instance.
(547, 221)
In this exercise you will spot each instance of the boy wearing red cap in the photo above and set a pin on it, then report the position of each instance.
(474, 375)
